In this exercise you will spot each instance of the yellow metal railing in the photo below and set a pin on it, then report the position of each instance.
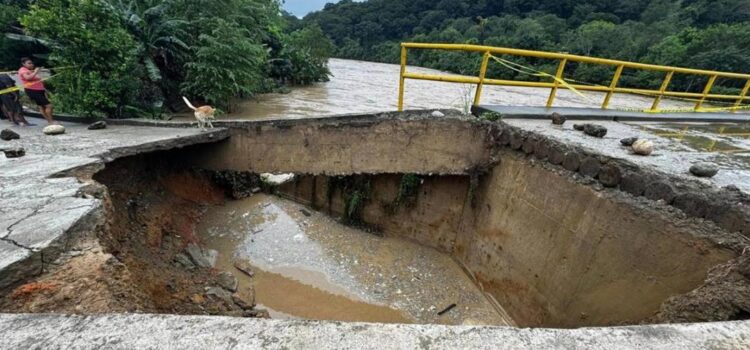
(557, 81)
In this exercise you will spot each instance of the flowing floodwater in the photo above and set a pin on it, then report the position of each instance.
(365, 87)
(308, 265)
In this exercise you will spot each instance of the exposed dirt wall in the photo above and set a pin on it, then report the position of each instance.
(552, 250)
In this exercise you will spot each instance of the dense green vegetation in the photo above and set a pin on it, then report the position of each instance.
(709, 34)
(136, 57)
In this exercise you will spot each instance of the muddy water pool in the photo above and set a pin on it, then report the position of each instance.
(309, 266)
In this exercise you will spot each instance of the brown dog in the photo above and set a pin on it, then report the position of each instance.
(204, 114)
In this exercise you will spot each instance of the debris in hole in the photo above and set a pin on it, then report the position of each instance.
(202, 259)
(449, 308)
(227, 281)
(245, 267)
(704, 169)
(276, 180)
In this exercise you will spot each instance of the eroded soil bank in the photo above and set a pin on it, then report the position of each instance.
(139, 259)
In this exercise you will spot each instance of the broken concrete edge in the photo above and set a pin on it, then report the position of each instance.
(21, 262)
(210, 136)
(728, 208)
(136, 331)
(365, 118)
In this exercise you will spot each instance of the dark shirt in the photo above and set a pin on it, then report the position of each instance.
(6, 81)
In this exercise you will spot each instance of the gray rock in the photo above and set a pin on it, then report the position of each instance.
(643, 147)
(628, 141)
(15, 152)
(196, 255)
(7, 135)
(704, 169)
(227, 281)
(221, 294)
(579, 127)
(183, 260)
(98, 125)
(54, 129)
(242, 303)
(558, 119)
(211, 256)
(438, 114)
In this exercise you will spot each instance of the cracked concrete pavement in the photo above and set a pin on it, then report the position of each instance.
(42, 201)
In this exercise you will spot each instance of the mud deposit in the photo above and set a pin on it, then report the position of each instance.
(307, 265)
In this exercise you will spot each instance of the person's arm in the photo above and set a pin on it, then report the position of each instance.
(27, 75)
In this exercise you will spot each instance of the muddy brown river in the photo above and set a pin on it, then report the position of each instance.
(365, 87)
(309, 266)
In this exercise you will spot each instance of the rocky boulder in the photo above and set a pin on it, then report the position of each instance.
(704, 169)
(54, 129)
(7, 135)
(98, 125)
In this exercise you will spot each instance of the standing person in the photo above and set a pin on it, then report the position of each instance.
(34, 88)
(11, 101)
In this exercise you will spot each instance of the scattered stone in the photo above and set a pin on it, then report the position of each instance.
(245, 267)
(591, 129)
(196, 255)
(610, 175)
(558, 119)
(242, 303)
(595, 130)
(7, 135)
(628, 141)
(183, 260)
(211, 255)
(257, 313)
(15, 152)
(643, 147)
(438, 114)
(54, 129)
(98, 125)
(227, 281)
(704, 169)
(221, 294)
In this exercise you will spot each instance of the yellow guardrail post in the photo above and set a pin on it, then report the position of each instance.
(482, 74)
(402, 81)
(559, 75)
(742, 96)
(662, 89)
(613, 86)
(706, 91)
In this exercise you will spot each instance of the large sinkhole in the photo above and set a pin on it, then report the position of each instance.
(519, 244)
